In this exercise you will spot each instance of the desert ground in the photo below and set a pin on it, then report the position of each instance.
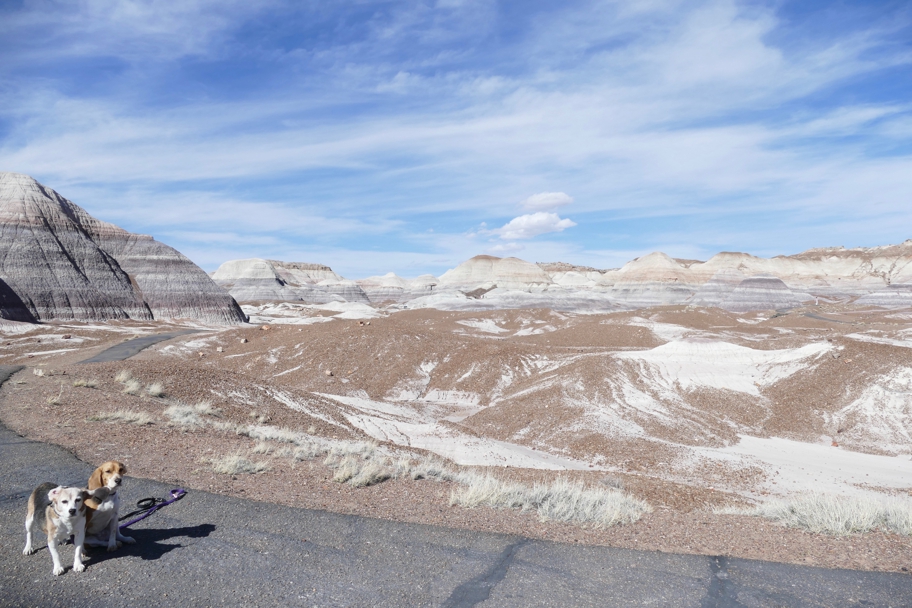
(691, 413)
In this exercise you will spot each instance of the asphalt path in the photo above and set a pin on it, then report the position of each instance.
(127, 349)
(209, 550)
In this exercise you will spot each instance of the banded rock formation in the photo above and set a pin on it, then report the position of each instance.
(391, 288)
(59, 262)
(258, 280)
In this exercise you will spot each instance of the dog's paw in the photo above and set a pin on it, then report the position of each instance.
(128, 539)
(28, 550)
(58, 570)
(79, 567)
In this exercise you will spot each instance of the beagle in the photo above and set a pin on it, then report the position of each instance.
(102, 515)
(61, 512)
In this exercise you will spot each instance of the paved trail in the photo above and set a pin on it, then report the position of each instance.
(211, 550)
(127, 349)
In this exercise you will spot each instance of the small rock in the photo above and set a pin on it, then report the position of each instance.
(328, 372)
(243, 340)
(67, 336)
(219, 349)
(264, 327)
(368, 323)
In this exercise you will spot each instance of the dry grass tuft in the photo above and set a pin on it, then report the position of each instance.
(156, 389)
(85, 383)
(122, 417)
(262, 448)
(371, 473)
(123, 376)
(562, 500)
(835, 515)
(191, 415)
(132, 387)
(236, 464)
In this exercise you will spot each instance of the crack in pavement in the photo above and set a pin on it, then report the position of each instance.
(477, 590)
(722, 592)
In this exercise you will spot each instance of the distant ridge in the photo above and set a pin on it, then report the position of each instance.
(739, 282)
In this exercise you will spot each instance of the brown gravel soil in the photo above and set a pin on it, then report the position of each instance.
(237, 369)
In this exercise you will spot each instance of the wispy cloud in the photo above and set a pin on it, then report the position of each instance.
(325, 128)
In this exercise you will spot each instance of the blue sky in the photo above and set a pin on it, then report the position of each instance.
(409, 136)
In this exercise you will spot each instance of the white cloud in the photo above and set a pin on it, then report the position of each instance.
(547, 201)
(533, 224)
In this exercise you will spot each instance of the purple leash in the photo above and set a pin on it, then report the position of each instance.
(148, 506)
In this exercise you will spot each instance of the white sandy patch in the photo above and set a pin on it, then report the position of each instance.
(350, 310)
(880, 340)
(290, 313)
(535, 331)
(721, 365)
(16, 327)
(798, 468)
(436, 395)
(485, 325)
(664, 331)
(882, 414)
(407, 427)
(751, 321)
(260, 320)
(51, 352)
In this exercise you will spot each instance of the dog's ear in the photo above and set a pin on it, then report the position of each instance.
(100, 494)
(52, 495)
(123, 468)
(95, 480)
(85, 495)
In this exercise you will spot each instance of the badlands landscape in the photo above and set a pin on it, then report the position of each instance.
(696, 394)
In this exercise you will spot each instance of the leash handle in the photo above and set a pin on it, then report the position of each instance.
(154, 504)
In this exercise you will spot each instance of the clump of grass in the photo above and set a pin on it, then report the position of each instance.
(55, 399)
(835, 515)
(38, 372)
(122, 417)
(262, 448)
(370, 474)
(123, 376)
(132, 387)
(190, 415)
(156, 389)
(562, 500)
(85, 383)
(237, 464)
(431, 468)
(346, 468)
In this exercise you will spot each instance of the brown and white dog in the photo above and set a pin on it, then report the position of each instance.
(61, 512)
(102, 515)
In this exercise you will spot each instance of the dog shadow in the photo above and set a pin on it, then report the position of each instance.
(150, 543)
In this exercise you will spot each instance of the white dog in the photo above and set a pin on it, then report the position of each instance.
(61, 512)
